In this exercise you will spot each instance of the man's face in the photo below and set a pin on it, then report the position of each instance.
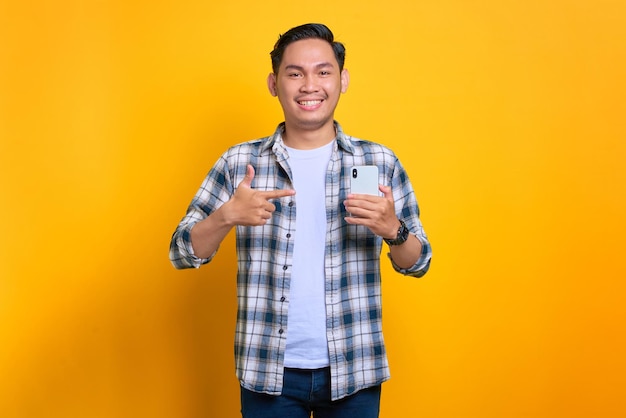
(308, 84)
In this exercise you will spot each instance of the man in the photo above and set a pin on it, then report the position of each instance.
(309, 326)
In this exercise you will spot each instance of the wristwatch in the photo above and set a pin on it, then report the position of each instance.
(403, 235)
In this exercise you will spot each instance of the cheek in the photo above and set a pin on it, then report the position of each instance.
(335, 90)
(285, 90)
(285, 100)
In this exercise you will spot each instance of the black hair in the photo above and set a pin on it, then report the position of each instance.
(306, 31)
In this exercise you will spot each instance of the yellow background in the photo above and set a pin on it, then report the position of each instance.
(508, 114)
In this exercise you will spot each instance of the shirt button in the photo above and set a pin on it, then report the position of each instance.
(288, 235)
(291, 203)
(282, 299)
(285, 267)
(280, 331)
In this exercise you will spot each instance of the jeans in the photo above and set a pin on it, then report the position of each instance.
(306, 391)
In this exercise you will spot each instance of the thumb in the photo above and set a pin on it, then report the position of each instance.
(386, 192)
(247, 180)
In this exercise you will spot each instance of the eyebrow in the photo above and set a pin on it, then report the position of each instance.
(300, 68)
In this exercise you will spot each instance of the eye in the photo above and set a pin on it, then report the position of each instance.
(324, 73)
(293, 75)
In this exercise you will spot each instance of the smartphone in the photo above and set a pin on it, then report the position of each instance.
(364, 179)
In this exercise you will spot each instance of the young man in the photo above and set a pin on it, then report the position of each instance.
(309, 326)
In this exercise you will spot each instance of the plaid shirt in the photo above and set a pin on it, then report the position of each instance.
(265, 253)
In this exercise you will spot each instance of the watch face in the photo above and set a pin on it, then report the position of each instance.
(403, 235)
(402, 232)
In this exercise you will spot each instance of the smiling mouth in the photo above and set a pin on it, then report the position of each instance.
(309, 103)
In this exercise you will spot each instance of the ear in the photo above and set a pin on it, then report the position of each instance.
(271, 84)
(345, 80)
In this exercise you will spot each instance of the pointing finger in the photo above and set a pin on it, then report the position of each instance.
(275, 194)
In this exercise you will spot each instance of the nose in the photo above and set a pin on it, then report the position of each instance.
(309, 85)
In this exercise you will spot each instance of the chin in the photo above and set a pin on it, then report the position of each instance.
(313, 120)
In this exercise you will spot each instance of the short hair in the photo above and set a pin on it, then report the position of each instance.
(306, 31)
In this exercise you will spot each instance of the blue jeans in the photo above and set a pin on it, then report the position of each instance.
(306, 391)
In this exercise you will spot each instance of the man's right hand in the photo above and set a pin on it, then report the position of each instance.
(252, 207)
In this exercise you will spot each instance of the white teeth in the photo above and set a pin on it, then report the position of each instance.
(310, 102)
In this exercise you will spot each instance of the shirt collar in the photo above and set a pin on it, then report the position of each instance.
(276, 140)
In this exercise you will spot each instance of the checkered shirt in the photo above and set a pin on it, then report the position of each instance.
(356, 348)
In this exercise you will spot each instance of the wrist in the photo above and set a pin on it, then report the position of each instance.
(225, 217)
(402, 234)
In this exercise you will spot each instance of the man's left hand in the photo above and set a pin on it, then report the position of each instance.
(375, 212)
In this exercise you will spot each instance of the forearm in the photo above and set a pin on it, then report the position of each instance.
(207, 235)
(406, 254)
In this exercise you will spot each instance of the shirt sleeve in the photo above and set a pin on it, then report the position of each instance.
(215, 190)
(407, 209)
(421, 266)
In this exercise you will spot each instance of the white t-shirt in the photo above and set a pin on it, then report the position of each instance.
(307, 345)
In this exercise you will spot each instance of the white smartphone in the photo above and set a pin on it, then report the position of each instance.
(364, 179)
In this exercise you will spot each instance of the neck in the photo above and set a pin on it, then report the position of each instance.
(299, 138)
